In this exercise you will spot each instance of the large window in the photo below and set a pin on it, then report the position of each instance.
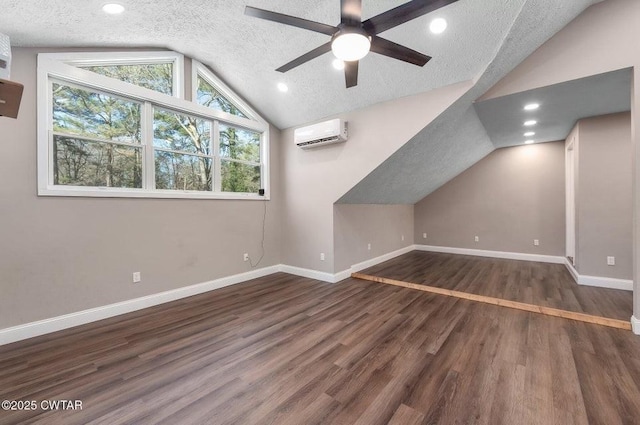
(114, 124)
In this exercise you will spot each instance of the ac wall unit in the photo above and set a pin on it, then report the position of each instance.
(5, 57)
(10, 92)
(324, 133)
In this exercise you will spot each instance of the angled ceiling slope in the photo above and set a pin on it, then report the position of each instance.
(457, 139)
(245, 52)
(561, 105)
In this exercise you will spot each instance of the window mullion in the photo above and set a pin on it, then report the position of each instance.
(148, 162)
(217, 167)
(132, 172)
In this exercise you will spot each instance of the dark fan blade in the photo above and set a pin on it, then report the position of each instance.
(306, 57)
(401, 14)
(290, 20)
(351, 73)
(351, 12)
(393, 50)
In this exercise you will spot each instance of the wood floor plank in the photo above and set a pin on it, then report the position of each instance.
(289, 350)
(548, 285)
(549, 311)
(404, 415)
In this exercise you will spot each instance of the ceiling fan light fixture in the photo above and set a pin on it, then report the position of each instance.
(350, 45)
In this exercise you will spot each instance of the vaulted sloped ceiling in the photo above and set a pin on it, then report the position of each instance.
(457, 139)
(245, 51)
(484, 41)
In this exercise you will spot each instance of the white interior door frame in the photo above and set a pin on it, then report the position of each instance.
(570, 201)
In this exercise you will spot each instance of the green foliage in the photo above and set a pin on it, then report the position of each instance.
(239, 177)
(185, 134)
(84, 113)
(82, 162)
(208, 96)
(182, 172)
(86, 163)
(158, 77)
(98, 134)
(243, 145)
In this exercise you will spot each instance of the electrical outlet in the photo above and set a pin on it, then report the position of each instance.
(477, 238)
(136, 277)
(536, 242)
(245, 257)
(611, 261)
(369, 246)
(424, 236)
(402, 238)
(322, 256)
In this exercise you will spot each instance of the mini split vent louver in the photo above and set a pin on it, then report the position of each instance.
(5, 57)
(324, 133)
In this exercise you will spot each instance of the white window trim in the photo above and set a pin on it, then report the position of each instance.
(199, 69)
(128, 58)
(56, 66)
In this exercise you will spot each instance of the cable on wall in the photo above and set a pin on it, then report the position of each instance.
(264, 220)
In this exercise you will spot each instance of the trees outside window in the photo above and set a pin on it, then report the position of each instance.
(96, 139)
(128, 134)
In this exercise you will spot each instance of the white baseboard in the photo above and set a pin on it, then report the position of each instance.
(635, 325)
(54, 324)
(572, 270)
(311, 274)
(601, 282)
(41, 327)
(381, 259)
(344, 274)
(493, 254)
(606, 282)
(598, 281)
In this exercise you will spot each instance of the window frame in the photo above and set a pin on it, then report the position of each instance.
(128, 58)
(63, 68)
(199, 70)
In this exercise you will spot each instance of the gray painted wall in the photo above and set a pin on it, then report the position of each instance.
(315, 179)
(584, 48)
(62, 255)
(603, 196)
(356, 226)
(511, 197)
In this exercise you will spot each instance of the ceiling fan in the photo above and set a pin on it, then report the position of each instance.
(353, 38)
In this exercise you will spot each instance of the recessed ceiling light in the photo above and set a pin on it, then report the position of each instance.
(438, 25)
(529, 142)
(113, 8)
(283, 87)
(338, 64)
(531, 107)
(530, 123)
(529, 133)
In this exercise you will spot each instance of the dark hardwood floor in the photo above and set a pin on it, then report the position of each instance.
(548, 285)
(289, 350)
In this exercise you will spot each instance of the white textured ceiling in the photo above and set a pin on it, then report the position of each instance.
(456, 139)
(561, 105)
(245, 51)
(484, 41)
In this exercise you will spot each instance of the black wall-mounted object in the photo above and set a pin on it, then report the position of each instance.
(10, 97)
(261, 192)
